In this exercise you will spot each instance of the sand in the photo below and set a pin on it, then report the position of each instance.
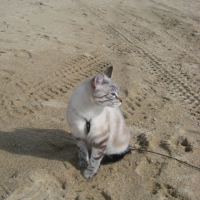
(47, 48)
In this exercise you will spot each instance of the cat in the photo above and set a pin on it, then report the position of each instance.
(96, 122)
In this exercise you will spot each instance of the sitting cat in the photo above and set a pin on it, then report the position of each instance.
(97, 123)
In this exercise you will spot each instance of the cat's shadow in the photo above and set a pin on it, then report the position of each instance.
(53, 144)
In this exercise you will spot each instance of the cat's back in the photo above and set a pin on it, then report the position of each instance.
(79, 104)
(80, 93)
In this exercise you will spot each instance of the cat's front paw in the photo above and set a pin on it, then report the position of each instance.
(82, 163)
(88, 174)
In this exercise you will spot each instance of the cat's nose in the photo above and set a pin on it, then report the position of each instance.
(120, 100)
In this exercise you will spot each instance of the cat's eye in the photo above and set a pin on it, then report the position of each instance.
(113, 94)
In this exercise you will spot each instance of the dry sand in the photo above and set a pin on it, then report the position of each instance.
(48, 47)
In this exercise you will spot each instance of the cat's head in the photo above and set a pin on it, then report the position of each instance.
(106, 91)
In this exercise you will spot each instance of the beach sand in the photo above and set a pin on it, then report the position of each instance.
(47, 48)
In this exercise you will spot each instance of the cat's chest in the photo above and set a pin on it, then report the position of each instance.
(89, 114)
(94, 120)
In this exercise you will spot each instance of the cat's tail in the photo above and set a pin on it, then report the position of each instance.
(108, 159)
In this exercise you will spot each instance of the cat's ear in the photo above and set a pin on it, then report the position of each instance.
(108, 72)
(98, 81)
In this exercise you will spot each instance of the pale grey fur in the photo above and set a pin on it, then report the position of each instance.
(97, 100)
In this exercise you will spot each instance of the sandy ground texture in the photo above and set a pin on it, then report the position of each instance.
(48, 47)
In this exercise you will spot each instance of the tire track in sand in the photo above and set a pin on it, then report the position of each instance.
(176, 83)
(56, 84)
